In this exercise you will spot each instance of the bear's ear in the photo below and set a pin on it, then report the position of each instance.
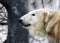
(47, 16)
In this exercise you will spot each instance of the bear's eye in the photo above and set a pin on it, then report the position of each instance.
(33, 14)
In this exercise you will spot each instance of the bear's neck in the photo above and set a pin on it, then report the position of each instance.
(36, 38)
(37, 32)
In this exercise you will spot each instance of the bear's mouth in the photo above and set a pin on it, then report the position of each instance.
(25, 24)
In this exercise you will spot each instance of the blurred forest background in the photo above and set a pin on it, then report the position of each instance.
(16, 9)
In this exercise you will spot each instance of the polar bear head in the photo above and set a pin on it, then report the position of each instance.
(34, 21)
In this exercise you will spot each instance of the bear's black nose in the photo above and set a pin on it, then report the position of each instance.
(21, 21)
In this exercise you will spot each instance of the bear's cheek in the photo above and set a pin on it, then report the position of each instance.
(35, 21)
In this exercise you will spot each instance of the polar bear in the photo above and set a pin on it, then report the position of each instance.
(42, 22)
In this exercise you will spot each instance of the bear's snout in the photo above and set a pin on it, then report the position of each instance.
(23, 23)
